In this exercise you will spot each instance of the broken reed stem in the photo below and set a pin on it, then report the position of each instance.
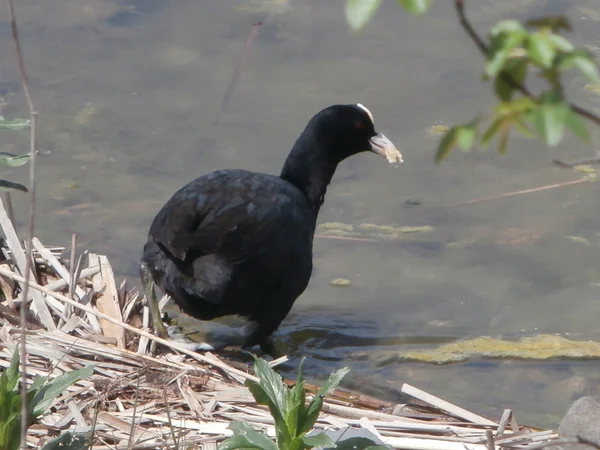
(72, 274)
(6, 199)
(210, 359)
(29, 259)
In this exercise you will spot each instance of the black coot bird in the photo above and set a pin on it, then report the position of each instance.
(235, 242)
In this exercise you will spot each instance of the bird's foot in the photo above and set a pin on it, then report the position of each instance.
(176, 334)
(270, 347)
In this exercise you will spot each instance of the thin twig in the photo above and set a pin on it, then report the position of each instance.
(577, 162)
(238, 67)
(32, 150)
(72, 275)
(524, 191)
(483, 48)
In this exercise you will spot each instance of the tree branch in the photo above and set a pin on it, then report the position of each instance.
(459, 5)
(32, 149)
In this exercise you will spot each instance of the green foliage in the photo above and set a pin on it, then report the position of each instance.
(515, 51)
(40, 396)
(293, 417)
(360, 12)
(10, 160)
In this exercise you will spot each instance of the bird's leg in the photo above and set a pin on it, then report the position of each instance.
(158, 327)
(174, 332)
(269, 346)
(261, 336)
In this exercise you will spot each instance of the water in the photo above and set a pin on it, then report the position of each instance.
(128, 92)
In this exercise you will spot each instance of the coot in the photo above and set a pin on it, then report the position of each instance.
(235, 242)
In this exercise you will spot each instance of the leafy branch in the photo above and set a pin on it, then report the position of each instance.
(514, 52)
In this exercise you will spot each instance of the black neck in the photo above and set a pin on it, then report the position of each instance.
(308, 168)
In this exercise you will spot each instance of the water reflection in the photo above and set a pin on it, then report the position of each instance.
(128, 92)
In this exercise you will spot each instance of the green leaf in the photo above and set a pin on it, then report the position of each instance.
(37, 383)
(576, 125)
(44, 397)
(360, 12)
(6, 185)
(299, 397)
(273, 386)
(520, 123)
(247, 437)
(292, 420)
(257, 392)
(10, 432)
(555, 23)
(70, 441)
(492, 131)
(583, 61)
(10, 160)
(465, 136)
(540, 48)
(333, 381)
(519, 105)
(549, 119)
(446, 145)
(319, 440)
(279, 399)
(560, 43)
(508, 26)
(12, 374)
(14, 124)
(314, 408)
(500, 50)
(416, 7)
(504, 132)
(516, 70)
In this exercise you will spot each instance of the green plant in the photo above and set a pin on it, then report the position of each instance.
(514, 51)
(40, 396)
(293, 417)
(7, 159)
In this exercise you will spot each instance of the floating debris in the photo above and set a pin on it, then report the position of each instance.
(84, 115)
(439, 129)
(595, 88)
(341, 282)
(438, 323)
(585, 168)
(579, 240)
(335, 226)
(368, 231)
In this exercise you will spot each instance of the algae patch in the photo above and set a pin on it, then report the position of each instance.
(370, 230)
(341, 282)
(540, 347)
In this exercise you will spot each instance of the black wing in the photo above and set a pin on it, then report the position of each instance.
(233, 218)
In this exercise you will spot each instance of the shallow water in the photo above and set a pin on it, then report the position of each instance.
(128, 93)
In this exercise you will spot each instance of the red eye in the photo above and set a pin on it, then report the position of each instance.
(359, 125)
